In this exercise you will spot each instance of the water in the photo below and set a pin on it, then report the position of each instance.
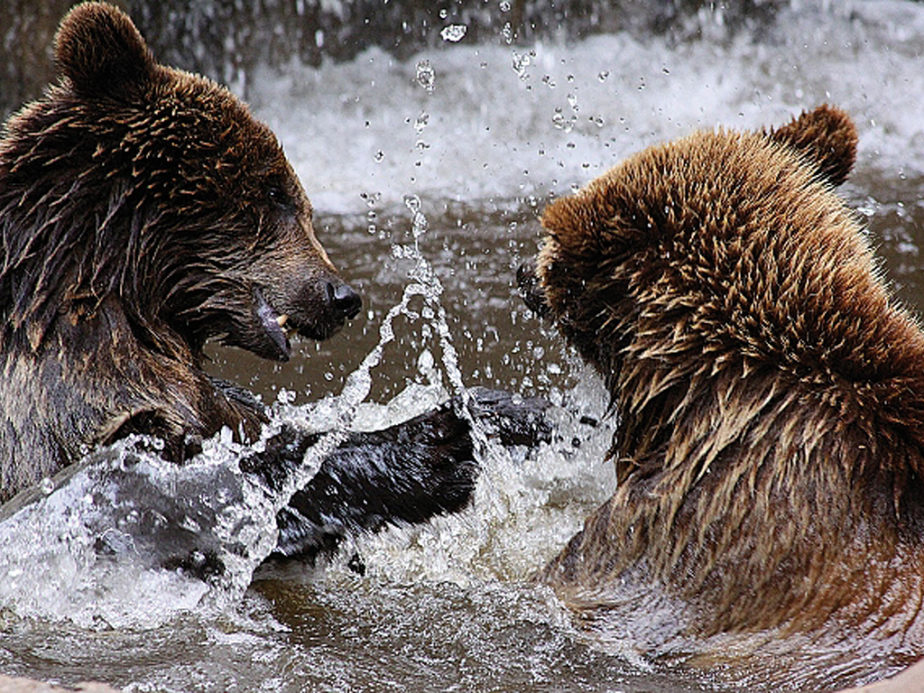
(427, 175)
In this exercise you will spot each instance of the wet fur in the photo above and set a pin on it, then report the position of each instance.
(768, 393)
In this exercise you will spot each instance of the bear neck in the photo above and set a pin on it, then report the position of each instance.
(730, 449)
(92, 380)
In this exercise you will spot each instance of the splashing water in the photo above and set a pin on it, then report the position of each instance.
(100, 544)
(453, 32)
(516, 521)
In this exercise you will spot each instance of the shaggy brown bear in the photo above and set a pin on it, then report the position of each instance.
(769, 397)
(144, 211)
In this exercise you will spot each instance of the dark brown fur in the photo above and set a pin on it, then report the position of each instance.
(769, 394)
(143, 210)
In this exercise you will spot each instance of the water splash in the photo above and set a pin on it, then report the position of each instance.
(453, 33)
(426, 76)
(101, 544)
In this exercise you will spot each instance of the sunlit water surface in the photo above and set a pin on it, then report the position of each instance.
(430, 173)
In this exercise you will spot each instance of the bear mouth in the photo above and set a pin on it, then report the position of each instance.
(276, 326)
(279, 328)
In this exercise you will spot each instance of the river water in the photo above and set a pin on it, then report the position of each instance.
(430, 172)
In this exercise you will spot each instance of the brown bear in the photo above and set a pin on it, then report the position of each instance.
(144, 211)
(769, 400)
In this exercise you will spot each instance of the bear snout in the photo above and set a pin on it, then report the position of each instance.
(343, 300)
(320, 307)
(530, 290)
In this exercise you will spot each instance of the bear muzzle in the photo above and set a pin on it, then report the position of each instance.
(531, 290)
(332, 303)
(343, 300)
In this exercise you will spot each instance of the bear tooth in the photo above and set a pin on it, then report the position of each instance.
(282, 319)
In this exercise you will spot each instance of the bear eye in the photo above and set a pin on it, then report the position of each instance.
(280, 197)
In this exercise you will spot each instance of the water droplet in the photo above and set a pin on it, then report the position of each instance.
(418, 220)
(379, 155)
(521, 61)
(504, 6)
(47, 485)
(453, 32)
(285, 396)
(603, 75)
(412, 202)
(425, 75)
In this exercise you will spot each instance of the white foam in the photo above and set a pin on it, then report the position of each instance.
(511, 121)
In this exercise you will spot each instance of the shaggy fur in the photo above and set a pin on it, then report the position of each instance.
(768, 392)
(143, 211)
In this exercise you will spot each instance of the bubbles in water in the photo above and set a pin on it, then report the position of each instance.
(453, 32)
(426, 76)
(561, 122)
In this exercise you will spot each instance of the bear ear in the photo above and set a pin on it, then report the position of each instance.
(825, 137)
(99, 49)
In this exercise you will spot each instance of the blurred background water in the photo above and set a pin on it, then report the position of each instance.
(438, 131)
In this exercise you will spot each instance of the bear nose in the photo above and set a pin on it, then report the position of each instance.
(343, 299)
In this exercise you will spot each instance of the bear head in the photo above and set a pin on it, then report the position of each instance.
(721, 256)
(649, 256)
(136, 182)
